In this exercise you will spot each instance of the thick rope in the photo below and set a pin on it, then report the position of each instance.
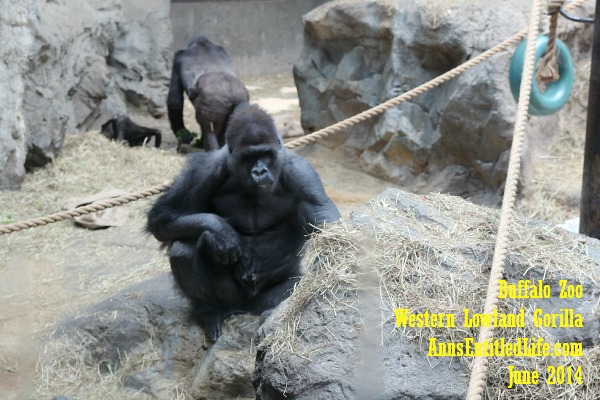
(478, 378)
(547, 69)
(83, 210)
(313, 137)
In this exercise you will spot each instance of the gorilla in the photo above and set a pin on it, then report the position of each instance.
(122, 128)
(204, 71)
(236, 221)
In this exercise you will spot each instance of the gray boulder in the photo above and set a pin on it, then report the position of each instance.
(141, 343)
(15, 21)
(73, 66)
(336, 336)
(454, 138)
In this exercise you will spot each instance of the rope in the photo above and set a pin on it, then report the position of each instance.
(547, 70)
(83, 210)
(313, 137)
(480, 364)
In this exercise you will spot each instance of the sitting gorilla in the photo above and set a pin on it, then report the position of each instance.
(203, 70)
(122, 128)
(237, 219)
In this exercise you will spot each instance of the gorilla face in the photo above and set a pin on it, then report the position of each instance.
(255, 150)
(258, 168)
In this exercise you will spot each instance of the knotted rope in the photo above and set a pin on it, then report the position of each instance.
(547, 70)
(480, 364)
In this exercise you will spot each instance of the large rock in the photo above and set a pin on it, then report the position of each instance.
(454, 138)
(88, 60)
(15, 31)
(141, 344)
(336, 336)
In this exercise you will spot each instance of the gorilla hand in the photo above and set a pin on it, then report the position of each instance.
(222, 243)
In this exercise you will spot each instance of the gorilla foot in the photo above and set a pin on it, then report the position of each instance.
(212, 329)
(210, 318)
(210, 323)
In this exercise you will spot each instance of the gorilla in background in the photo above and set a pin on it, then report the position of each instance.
(123, 129)
(236, 220)
(204, 71)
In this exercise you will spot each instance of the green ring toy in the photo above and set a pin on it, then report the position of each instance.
(557, 93)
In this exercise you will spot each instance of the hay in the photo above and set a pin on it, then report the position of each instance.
(87, 164)
(442, 266)
(69, 367)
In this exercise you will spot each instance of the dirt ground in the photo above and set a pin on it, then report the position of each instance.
(48, 274)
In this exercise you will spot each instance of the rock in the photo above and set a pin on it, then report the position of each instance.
(454, 138)
(571, 225)
(143, 337)
(17, 39)
(336, 336)
(73, 67)
(287, 126)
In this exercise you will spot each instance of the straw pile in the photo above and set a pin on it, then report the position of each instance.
(554, 192)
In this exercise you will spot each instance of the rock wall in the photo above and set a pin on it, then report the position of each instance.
(76, 64)
(454, 138)
(17, 39)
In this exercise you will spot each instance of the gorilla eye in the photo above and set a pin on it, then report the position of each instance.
(266, 157)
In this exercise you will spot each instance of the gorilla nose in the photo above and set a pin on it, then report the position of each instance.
(260, 174)
(249, 281)
(249, 278)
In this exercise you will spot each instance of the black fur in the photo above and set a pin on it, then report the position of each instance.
(236, 221)
(122, 128)
(203, 70)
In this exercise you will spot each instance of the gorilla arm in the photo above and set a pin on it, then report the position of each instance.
(301, 179)
(175, 96)
(180, 213)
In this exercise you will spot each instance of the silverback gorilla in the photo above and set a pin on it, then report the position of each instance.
(235, 221)
(203, 70)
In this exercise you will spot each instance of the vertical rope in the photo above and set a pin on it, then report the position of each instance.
(547, 70)
(480, 364)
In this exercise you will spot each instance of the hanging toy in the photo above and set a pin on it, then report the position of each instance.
(556, 94)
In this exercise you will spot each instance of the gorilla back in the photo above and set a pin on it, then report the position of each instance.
(203, 70)
(236, 221)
